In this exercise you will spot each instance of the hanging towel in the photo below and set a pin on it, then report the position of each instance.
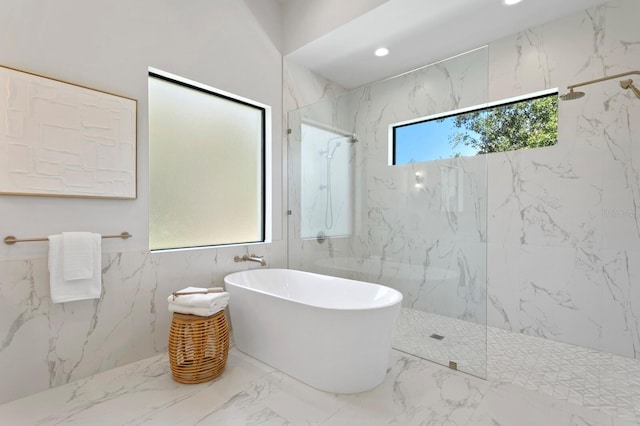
(77, 258)
(203, 305)
(64, 290)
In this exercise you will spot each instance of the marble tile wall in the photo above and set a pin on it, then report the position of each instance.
(558, 227)
(45, 345)
(412, 216)
(563, 226)
(302, 87)
(562, 239)
(420, 228)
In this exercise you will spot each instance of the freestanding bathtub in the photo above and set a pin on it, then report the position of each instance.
(331, 333)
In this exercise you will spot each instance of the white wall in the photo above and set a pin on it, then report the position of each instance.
(269, 14)
(307, 20)
(108, 46)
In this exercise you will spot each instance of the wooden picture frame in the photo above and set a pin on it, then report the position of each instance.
(63, 140)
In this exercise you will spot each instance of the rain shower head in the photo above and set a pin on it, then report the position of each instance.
(571, 95)
(628, 84)
(625, 84)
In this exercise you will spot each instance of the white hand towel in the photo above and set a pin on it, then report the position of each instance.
(77, 258)
(80, 289)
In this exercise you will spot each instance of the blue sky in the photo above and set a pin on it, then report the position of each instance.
(428, 140)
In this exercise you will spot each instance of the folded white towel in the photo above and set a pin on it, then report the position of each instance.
(201, 312)
(79, 289)
(77, 258)
(198, 300)
(203, 305)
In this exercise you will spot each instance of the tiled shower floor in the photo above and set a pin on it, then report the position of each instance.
(597, 380)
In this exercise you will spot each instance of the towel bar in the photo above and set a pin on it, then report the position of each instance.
(12, 240)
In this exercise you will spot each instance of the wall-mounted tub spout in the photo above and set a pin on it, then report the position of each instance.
(252, 258)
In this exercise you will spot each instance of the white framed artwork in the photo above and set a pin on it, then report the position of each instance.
(60, 139)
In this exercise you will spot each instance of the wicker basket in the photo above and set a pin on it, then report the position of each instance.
(198, 347)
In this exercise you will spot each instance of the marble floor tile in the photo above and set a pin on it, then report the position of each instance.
(531, 381)
(415, 392)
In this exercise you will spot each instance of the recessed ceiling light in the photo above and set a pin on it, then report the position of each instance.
(511, 2)
(383, 51)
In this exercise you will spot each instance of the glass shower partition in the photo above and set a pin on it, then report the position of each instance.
(418, 227)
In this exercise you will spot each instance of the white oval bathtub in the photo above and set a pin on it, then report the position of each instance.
(331, 333)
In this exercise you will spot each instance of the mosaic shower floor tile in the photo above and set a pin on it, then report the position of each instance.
(599, 381)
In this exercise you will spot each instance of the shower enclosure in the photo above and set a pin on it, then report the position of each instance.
(419, 227)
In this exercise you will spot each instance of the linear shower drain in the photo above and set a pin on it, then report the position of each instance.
(436, 336)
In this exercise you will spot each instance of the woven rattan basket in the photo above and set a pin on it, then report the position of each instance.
(198, 347)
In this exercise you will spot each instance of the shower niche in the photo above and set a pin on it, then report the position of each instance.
(418, 227)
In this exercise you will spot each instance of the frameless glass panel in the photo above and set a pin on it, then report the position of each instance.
(418, 227)
(326, 192)
(203, 140)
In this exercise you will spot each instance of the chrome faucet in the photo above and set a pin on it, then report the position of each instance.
(253, 258)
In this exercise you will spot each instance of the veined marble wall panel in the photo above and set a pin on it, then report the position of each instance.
(406, 202)
(559, 294)
(418, 227)
(302, 88)
(563, 52)
(503, 301)
(621, 218)
(450, 281)
(563, 225)
(45, 345)
(431, 250)
(546, 197)
(620, 138)
(25, 328)
(621, 37)
(621, 302)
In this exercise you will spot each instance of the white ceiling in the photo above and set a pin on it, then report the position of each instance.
(421, 32)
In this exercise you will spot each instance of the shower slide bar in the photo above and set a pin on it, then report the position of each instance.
(12, 240)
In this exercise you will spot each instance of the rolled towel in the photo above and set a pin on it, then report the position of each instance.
(198, 304)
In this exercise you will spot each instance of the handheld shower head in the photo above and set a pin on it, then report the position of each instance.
(628, 84)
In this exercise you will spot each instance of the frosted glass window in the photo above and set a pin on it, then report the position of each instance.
(207, 166)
